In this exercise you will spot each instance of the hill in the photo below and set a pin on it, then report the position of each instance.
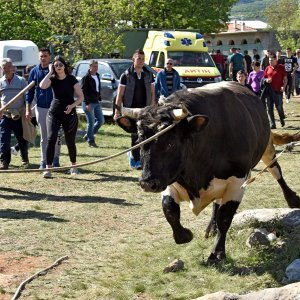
(250, 10)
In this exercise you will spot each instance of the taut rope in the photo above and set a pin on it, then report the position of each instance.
(94, 161)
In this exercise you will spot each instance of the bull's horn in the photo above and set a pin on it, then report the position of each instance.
(132, 113)
(179, 114)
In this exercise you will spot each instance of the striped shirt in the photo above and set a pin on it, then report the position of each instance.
(169, 79)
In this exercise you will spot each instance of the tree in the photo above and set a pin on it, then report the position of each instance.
(20, 20)
(205, 15)
(284, 17)
(88, 26)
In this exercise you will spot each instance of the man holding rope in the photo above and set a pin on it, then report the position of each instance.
(11, 119)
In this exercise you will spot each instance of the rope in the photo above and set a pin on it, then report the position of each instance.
(42, 272)
(288, 147)
(58, 169)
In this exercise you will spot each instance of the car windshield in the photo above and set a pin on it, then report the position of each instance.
(191, 59)
(120, 67)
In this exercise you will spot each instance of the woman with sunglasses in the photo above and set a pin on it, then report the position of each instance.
(62, 110)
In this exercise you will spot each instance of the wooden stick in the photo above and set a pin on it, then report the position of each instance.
(15, 98)
(42, 272)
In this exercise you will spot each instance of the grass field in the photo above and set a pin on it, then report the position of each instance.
(116, 236)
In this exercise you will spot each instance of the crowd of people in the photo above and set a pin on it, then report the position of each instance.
(51, 103)
(270, 78)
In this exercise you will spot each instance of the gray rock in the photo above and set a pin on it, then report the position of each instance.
(292, 272)
(175, 266)
(288, 218)
(288, 292)
(257, 238)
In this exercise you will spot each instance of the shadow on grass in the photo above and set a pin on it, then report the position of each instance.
(28, 214)
(32, 196)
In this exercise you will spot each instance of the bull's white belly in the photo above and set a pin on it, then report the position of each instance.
(225, 190)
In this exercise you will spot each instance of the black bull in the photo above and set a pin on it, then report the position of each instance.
(221, 133)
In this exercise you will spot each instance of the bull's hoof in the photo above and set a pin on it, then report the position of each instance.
(183, 236)
(216, 258)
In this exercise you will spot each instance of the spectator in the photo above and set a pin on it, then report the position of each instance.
(256, 56)
(279, 58)
(276, 80)
(43, 100)
(62, 111)
(136, 90)
(167, 80)
(290, 64)
(236, 63)
(241, 77)
(255, 77)
(219, 60)
(265, 61)
(297, 73)
(91, 87)
(248, 60)
(11, 120)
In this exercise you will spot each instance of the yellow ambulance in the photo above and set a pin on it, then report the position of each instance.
(189, 52)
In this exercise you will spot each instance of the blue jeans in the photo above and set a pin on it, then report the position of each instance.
(94, 118)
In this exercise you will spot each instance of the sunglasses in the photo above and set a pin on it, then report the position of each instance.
(169, 64)
(58, 65)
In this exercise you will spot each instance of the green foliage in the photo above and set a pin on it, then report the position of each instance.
(283, 16)
(250, 9)
(90, 24)
(20, 20)
(180, 14)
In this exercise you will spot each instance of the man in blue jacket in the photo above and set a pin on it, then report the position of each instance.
(167, 80)
(43, 101)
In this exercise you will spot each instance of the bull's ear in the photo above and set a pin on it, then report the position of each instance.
(129, 125)
(198, 122)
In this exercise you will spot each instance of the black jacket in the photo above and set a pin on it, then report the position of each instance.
(88, 86)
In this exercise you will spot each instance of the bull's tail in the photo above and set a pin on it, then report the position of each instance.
(285, 138)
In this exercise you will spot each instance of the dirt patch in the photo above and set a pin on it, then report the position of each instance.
(14, 268)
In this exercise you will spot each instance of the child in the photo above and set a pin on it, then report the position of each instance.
(241, 77)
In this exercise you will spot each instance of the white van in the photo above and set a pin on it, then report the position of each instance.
(21, 52)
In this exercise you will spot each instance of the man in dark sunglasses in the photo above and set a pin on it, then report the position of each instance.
(167, 80)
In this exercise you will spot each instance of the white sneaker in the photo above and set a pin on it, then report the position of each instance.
(287, 100)
(13, 151)
(74, 171)
(47, 174)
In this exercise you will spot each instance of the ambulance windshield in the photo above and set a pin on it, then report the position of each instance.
(191, 59)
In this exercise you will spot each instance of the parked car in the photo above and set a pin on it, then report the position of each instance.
(110, 71)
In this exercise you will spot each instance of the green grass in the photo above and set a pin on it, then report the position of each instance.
(116, 236)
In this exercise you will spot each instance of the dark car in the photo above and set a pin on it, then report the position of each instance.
(110, 71)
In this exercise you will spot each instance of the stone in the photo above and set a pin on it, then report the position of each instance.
(291, 291)
(175, 266)
(292, 272)
(288, 218)
(257, 238)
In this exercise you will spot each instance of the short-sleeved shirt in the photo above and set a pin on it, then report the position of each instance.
(139, 99)
(289, 63)
(63, 93)
(277, 74)
(237, 60)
